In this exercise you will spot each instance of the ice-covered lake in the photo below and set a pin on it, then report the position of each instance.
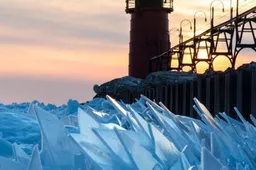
(110, 135)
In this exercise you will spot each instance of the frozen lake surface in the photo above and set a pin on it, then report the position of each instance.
(109, 135)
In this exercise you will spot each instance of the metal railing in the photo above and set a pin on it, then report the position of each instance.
(206, 35)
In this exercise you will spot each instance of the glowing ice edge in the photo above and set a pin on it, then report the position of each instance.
(141, 136)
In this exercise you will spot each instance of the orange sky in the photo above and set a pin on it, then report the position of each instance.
(55, 50)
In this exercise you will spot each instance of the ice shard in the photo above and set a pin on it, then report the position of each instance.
(110, 135)
(209, 162)
(19, 155)
(5, 148)
(8, 164)
(35, 162)
(55, 142)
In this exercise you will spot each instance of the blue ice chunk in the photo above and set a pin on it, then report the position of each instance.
(169, 155)
(200, 133)
(135, 148)
(8, 164)
(240, 116)
(5, 148)
(239, 167)
(138, 136)
(135, 121)
(19, 155)
(72, 129)
(86, 123)
(115, 146)
(55, 141)
(141, 104)
(143, 158)
(35, 162)
(178, 164)
(72, 106)
(206, 113)
(95, 150)
(247, 158)
(251, 130)
(157, 107)
(218, 149)
(157, 167)
(173, 117)
(140, 122)
(203, 118)
(119, 108)
(195, 167)
(193, 158)
(165, 149)
(94, 156)
(70, 120)
(253, 119)
(127, 150)
(19, 128)
(209, 162)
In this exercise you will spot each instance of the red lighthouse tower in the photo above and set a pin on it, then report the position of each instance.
(149, 35)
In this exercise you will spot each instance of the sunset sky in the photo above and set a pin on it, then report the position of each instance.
(54, 50)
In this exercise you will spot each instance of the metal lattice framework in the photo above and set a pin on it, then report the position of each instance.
(229, 36)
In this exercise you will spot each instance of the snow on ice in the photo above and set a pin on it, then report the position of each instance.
(110, 135)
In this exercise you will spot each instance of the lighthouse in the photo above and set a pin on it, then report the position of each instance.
(149, 33)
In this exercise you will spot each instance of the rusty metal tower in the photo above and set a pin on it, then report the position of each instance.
(149, 34)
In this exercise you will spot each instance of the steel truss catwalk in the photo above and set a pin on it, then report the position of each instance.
(226, 39)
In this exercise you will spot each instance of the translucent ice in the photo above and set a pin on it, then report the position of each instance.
(109, 135)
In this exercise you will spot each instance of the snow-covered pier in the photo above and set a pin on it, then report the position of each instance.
(220, 91)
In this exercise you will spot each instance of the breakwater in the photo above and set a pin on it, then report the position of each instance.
(219, 91)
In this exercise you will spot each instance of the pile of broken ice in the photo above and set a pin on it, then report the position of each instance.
(142, 136)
